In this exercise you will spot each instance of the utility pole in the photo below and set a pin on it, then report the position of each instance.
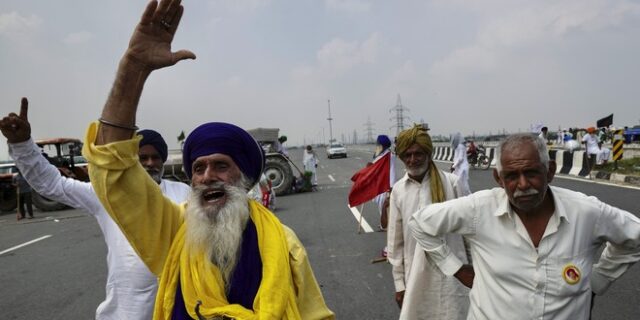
(399, 109)
(330, 119)
(369, 130)
(355, 137)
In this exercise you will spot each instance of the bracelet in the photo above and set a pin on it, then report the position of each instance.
(109, 123)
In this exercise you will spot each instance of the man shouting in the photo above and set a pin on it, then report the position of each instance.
(219, 255)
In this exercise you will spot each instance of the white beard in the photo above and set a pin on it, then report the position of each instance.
(217, 230)
(419, 170)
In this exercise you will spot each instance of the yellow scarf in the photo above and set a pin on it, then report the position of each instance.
(201, 280)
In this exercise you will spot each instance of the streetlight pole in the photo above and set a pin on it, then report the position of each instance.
(330, 128)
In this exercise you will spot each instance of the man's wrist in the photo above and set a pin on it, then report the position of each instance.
(130, 64)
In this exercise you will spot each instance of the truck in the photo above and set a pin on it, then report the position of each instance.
(64, 154)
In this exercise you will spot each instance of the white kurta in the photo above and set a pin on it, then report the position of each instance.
(461, 169)
(429, 294)
(310, 161)
(131, 287)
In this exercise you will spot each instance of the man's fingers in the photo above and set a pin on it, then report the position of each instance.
(175, 20)
(183, 54)
(147, 16)
(24, 108)
(172, 12)
(162, 9)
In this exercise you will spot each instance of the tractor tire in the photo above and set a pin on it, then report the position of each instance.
(46, 204)
(279, 172)
(8, 199)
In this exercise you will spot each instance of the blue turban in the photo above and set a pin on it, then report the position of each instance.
(227, 139)
(153, 138)
(384, 141)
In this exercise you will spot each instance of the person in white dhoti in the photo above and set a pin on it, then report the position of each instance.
(422, 290)
(460, 166)
(310, 163)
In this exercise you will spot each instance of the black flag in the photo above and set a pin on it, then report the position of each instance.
(605, 122)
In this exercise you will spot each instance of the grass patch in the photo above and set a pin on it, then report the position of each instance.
(625, 166)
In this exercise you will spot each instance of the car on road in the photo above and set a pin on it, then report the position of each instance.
(335, 150)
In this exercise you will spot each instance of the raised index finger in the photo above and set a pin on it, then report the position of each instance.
(24, 107)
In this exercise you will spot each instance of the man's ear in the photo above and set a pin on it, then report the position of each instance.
(552, 170)
(496, 176)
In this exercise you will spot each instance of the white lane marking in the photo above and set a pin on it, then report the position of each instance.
(321, 167)
(24, 244)
(332, 179)
(365, 226)
(358, 158)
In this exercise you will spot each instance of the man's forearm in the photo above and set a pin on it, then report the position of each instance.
(122, 103)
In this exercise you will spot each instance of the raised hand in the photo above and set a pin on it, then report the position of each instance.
(16, 128)
(150, 44)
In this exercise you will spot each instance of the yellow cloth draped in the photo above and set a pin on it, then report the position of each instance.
(154, 226)
(418, 134)
(201, 280)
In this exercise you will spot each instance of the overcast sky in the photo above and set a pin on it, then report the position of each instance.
(459, 65)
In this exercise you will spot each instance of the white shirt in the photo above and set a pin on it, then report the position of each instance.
(131, 288)
(309, 160)
(429, 294)
(514, 280)
(592, 143)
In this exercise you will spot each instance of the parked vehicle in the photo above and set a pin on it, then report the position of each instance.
(65, 154)
(336, 150)
(8, 197)
(277, 167)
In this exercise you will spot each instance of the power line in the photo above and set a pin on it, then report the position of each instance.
(369, 130)
(400, 116)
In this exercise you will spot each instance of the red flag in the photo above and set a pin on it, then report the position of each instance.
(370, 181)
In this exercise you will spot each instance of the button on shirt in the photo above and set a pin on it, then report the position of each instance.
(513, 279)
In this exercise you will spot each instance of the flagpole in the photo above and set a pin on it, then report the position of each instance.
(360, 219)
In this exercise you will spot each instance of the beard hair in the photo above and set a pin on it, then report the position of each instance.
(156, 175)
(419, 170)
(217, 230)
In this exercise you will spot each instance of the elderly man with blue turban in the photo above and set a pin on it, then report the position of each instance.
(219, 255)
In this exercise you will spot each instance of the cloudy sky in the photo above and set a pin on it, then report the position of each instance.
(459, 65)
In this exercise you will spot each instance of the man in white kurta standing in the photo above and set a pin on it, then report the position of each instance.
(131, 288)
(310, 162)
(533, 245)
(460, 166)
(422, 291)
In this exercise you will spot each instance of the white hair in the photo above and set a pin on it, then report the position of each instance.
(515, 141)
(217, 231)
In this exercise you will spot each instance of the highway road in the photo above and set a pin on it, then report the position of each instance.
(54, 267)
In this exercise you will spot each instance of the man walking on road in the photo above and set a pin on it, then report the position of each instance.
(131, 287)
(533, 245)
(422, 291)
(220, 255)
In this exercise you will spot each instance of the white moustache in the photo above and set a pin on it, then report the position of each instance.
(528, 192)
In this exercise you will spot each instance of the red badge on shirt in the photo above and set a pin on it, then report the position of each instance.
(571, 274)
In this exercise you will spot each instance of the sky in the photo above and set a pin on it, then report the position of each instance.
(474, 67)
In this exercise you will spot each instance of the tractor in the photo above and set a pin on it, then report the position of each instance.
(65, 154)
